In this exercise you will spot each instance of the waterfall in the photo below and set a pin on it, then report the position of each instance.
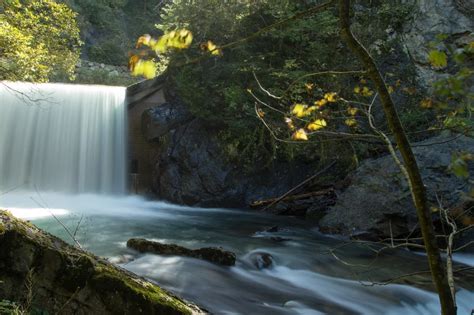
(62, 137)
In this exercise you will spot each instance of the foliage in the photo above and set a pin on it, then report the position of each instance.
(38, 39)
(453, 98)
(109, 27)
(285, 61)
(102, 76)
(9, 308)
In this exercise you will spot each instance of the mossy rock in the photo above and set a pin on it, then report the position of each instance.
(63, 279)
(214, 255)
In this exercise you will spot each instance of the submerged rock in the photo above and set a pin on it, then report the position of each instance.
(60, 278)
(261, 260)
(215, 255)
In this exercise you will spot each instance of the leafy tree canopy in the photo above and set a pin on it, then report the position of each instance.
(38, 40)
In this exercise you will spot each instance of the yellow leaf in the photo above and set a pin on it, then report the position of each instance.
(212, 48)
(366, 91)
(357, 89)
(161, 45)
(179, 39)
(352, 111)
(317, 124)
(363, 81)
(309, 86)
(321, 102)
(143, 40)
(351, 122)
(144, 68)
(300, 134)
(300, 110)
(390, 89)
(426, 103)
(331, 97)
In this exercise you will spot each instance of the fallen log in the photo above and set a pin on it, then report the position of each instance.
(265, 202)
(48, 276)
(302, 184)
(212, 254)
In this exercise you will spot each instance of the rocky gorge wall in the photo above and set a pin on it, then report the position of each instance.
(179, 158)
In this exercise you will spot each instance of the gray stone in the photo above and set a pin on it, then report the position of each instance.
(378, 199)
(433, 17)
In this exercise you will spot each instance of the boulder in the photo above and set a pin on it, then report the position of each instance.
(261, 260)
(378, 199)
(454, 18)
(51, 276)
(215, 255)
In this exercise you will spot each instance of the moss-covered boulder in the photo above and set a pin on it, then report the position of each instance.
(40, 271)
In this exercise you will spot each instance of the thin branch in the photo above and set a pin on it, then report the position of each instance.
(299, 185)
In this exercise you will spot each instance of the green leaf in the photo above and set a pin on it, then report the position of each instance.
(438, 59)
(459, 167)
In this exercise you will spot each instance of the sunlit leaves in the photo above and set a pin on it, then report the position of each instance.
(300, 134)
(352, 111)
(317, 124)
(363, 90)
(145, 68)
(143, 40)
(302, 110)
(438, 59)
(179, 39)
(331, 97)
(320, 103)
(350, 122)
(38, 39)
(212, 48)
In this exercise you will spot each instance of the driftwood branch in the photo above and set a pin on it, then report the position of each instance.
(289, 192)
(264, 202)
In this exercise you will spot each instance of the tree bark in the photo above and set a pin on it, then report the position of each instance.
(418, 189)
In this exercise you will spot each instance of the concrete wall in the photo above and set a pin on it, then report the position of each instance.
(141, 97)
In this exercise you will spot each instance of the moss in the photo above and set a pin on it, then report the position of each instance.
(63, 270)
(137, 291)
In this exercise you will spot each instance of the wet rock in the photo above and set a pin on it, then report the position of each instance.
(261, 260)
(378, 200)
(279, 239)
(215, 255)
(431, 18)
(273, 229)
(68, 280)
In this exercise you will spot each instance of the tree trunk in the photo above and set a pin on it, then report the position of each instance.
(418, 189)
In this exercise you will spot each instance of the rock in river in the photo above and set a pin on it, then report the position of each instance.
(215, 255)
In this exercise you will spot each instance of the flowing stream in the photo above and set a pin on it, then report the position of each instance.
(62, 152)
(304, 277)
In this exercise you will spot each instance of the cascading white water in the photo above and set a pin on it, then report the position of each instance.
(62, 137)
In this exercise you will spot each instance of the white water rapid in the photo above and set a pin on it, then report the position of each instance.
(62, 137)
